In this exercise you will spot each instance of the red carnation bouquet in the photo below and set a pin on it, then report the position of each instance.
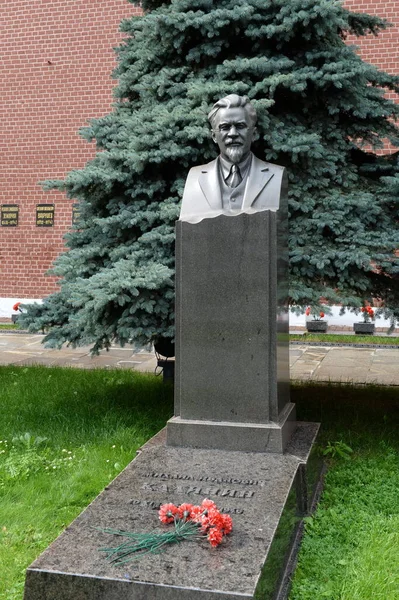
(190, 522)
(206, 518)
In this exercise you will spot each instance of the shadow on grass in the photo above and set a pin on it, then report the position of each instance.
(73, 402)
(342, 409)
(81, 402)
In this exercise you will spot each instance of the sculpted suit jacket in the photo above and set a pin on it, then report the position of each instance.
(265, 188)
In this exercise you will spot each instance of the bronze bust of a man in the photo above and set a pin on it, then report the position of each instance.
(236, 181)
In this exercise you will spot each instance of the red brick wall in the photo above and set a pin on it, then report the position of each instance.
(56, 61)
(383, 50)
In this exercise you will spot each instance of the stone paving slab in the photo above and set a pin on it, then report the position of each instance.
(357, 365)
(20, 349)
(309, 363)
(386, 357)
(340, 374)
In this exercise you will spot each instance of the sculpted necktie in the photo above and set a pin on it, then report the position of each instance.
(234, 178)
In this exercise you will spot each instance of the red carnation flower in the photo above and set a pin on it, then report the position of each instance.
(184, 511)
(196, 514)
(227, 524)
(215, 537)
(16, 306)
(322, 314)
(167, 513)
(307, 311)
(215, 518)
(205, 523)
(207, 504)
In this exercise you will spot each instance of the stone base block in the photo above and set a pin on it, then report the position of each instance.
(244, 437)
(264, 493)
(364, 328)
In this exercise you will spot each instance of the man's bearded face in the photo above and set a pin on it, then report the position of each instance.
(233, 131)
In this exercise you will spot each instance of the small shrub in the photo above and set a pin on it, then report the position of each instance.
(337, 450)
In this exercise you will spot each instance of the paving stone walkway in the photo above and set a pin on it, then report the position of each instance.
(314, 363)
(20, 349)
(345, 364)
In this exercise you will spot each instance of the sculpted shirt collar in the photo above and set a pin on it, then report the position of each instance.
(225, 166)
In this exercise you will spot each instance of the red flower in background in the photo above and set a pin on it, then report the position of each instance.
(368, 312)
(315, 312)
(16, 306)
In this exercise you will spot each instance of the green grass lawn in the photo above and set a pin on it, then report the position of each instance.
(335, 338)
(66, 433)
(351, 545)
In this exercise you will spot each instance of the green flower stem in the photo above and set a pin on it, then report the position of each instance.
(154, 542)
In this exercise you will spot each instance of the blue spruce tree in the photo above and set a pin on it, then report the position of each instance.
(320, 107)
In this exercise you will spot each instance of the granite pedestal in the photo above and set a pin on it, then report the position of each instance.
(257, 490)
(232, 363)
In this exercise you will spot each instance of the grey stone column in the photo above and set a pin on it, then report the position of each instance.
(232, 365)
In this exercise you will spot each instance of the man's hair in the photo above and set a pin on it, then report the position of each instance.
(233, 101)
